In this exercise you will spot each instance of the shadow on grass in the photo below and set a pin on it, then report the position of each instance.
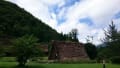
(30, 66)
(40, 66)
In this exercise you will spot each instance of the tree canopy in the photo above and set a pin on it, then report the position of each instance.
(91, 50)
(16, 22)
(111, 43)
(25, 48)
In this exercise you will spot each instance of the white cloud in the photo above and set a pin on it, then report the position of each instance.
(100, 11)
(39, 8)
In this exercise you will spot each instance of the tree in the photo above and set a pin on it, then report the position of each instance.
(91, 50)
(25, 49)
(73, 35)
(89, 39)
(16, 22)
(111, 34)
(111, 41)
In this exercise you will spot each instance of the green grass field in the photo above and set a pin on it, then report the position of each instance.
(38, 65)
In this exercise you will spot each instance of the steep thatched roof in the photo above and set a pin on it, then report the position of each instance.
(61, 50)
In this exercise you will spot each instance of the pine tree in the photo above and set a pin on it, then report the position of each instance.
(112, 41)
(111, 34)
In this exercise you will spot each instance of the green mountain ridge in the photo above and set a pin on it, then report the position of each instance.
(16, 22)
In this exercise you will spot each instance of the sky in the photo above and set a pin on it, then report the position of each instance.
(90, 17)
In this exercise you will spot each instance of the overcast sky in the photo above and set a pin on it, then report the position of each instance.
(90, 17)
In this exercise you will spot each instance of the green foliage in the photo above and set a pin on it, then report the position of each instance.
(16, 22)
(25, 49)
(91, 50)
(111, 34)
(7, 59)
(102, 53)
(71, 36)
(111, 42)
(115, 59)
(2, 52)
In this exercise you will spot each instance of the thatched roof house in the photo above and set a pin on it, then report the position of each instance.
(67, 51)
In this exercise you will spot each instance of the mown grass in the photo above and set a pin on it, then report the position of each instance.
(39, 65)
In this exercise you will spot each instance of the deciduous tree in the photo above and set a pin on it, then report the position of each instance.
(25, 48)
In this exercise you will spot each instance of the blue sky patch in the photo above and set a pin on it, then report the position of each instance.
(86, 20)
(56, 9)
(117, 15)
(70, 2)
(61, 20)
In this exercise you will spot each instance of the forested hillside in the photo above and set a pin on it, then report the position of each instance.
(16, 22)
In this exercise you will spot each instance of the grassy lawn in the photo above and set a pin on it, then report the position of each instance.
(38, 65)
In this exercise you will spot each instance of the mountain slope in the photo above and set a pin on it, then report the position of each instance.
(16, 22)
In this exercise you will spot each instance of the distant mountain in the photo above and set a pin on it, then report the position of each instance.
(16, 22)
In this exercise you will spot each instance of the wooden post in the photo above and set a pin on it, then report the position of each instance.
(104, 64)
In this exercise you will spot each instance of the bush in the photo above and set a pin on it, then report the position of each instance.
(7, 59)
(25, 48)
(2, 51)
(115, 60)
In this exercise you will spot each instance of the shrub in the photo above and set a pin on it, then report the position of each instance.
(7, 59)
(2, 51)
(25, 48)
(115, 60)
